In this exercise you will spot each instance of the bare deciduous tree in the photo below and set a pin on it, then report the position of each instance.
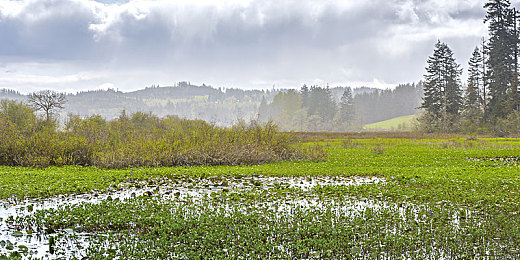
(47, 101)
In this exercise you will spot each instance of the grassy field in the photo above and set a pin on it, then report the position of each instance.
(402, 123)
(437, 198)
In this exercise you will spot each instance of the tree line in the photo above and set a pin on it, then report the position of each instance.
(490, 102)
(317, 108)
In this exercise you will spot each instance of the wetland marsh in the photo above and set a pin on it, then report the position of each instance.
(371, 198)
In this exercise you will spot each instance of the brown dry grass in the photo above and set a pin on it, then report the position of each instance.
(321, 136)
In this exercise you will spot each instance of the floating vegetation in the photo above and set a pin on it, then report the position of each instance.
(498, 161)
(45, 240)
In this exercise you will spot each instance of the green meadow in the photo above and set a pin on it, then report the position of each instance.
(453, 197)
(401, 123)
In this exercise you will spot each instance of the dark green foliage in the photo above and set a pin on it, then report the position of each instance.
(473, 112)
(502, 68)
(143, 140)
(442, 88)
(321, 103)
(443, 99)
(492, 93)
(472, 97)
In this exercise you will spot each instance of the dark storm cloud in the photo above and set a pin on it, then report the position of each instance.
(244, 43)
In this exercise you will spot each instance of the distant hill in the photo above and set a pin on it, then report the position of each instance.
(224, 106)
(220, 106)
(182, 90)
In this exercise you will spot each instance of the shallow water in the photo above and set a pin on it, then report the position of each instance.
(73, 241)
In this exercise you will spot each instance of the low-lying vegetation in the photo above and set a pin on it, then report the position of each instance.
(139, 140)
(437, 198)
(239, 192)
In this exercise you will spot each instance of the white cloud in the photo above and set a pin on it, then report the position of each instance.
(137, 43)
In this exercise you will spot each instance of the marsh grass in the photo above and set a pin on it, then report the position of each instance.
(324, 136)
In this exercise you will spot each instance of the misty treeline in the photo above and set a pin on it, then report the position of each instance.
(318, 108)
(138, 139)
(490, 101)
(224, 107)
(216, 105)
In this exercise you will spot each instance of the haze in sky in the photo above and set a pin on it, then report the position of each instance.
(73, 45)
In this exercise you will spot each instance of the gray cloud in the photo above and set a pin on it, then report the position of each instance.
(250, 43)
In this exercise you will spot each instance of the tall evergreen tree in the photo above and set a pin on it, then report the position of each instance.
(472, 98)
(453, 86)
(442, 88)
(485, 83)
(347, 105)
(502, 57)
(305, 95)
(473, 111)
(433, 98)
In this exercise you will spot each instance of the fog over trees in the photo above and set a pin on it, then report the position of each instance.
(313, 108)
(318, 108)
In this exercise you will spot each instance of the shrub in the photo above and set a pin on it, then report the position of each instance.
(145, 140)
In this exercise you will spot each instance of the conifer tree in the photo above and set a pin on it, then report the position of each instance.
(472, 97)
(321, 103)
(442, 88)
(305, 95)
(501, 62)
(347, 105)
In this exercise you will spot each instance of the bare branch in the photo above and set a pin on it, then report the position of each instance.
(47, 101)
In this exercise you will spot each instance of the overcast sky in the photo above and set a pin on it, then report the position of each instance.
(73, 45)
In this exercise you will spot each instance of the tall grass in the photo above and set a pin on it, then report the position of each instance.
(144, 139)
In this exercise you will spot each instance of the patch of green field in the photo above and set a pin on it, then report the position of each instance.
(442, 198)
(399, 123)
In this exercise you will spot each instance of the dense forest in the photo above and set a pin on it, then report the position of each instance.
(491, 100)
